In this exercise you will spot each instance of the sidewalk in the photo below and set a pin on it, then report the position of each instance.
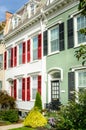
(7, 127)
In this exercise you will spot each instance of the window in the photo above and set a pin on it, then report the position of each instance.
(81, 80)
(35, 48)
(9, 58)
(20, 89)
(49, 1)
(81, 23)
(20, 54)
(1, 61)
(15, 22)
(54, 39)
(34, 86)
(32, 9)
(0, 85)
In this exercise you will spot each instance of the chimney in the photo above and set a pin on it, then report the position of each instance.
(8, 15)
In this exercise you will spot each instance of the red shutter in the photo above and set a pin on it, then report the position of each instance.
(39, 46)
(15, 56)
(11, 57)
(23, 52)
(28, 89)
(39, 84)
(5, 60)
(23, 89)
(28, 51)
(15, 88)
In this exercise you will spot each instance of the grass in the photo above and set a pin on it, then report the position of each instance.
(4, 123)
(23, 128)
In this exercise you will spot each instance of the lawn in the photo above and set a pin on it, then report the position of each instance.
(23, 128)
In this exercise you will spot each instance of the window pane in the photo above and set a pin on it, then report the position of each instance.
(35, 48)
(20, 89)
(1, 61)
(82, 79)
(0, 85)
(81, 23)
(9, 58)
(34, 86)
(20, 54)
(54, 39)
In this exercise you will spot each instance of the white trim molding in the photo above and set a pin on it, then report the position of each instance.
(56, 69)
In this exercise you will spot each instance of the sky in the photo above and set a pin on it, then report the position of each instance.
(10, 6)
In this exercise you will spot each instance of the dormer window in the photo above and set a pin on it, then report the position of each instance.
(49, 2)
(32, 9)
(15, 22)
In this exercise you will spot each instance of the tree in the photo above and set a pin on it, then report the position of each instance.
(38, 101)
(73, 115)
(81, 52)
(6, 101)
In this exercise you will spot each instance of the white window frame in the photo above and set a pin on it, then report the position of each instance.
(32, 48)
(1, 62)
(77, 79)
(75, 32)
(49, 44)
(9, 58)
(33, 86)
(19, 89)
(19, 55)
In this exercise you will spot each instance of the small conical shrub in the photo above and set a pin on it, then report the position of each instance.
(38, 101)
(35, 119)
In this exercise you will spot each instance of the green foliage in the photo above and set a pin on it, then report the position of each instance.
(82, 6)
(35, 119)
(38, 101)
(6, 101)
(81, 53)
(23, 128)
(73, 116)
(9, 115)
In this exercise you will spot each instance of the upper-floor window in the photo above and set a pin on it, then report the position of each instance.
(9, 58)
(49, 1)
(20, 53)
(15, 22)
(54, 39)
(35, 48)
(1, 61)
(79, 23)
(32, 9)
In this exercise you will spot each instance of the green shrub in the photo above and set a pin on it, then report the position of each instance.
(9, 115)
(38, 101)
(73, 115)
(35, 119)
(6, 101)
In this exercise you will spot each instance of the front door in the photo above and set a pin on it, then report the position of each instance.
(55, 92)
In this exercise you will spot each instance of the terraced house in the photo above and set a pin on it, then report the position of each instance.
(40, 44)
(2, 49)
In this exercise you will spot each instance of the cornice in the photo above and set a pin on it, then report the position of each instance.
(47, 10)
(23, 26)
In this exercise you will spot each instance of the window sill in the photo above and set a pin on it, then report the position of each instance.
(54, 53)
(78, 45)
(34, 61)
